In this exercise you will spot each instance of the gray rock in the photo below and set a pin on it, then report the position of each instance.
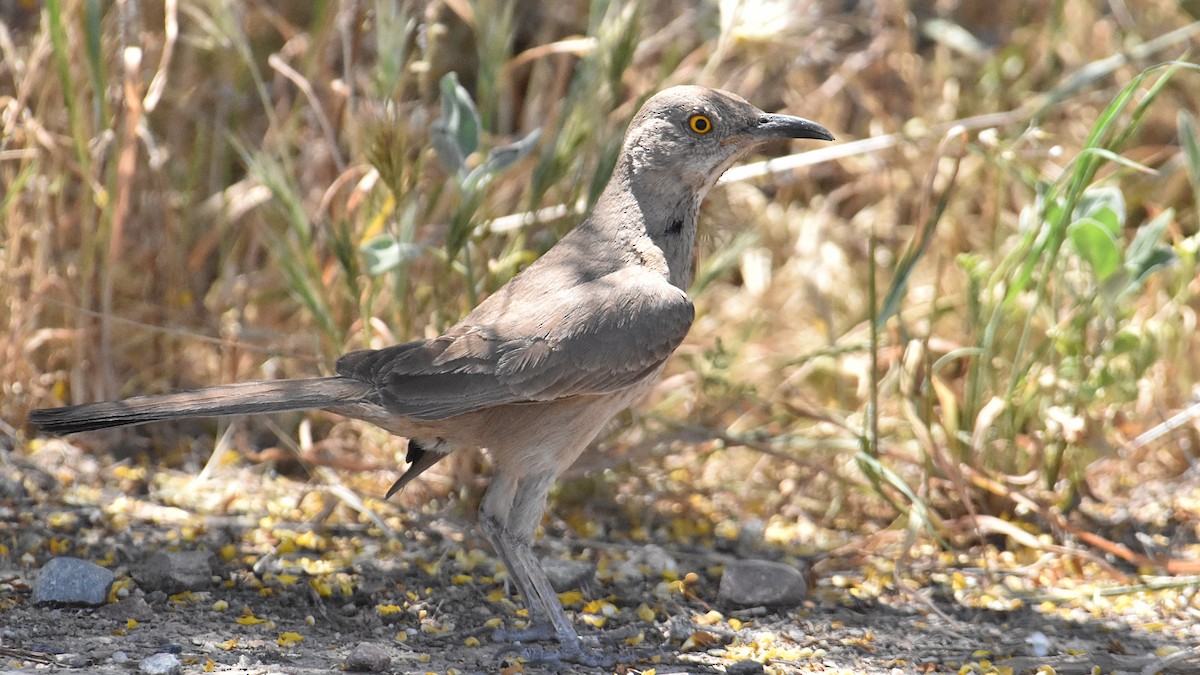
(368, 657)
(648, 561)
(176, 572)
(745, 667)
(71, 581)
(133, 607)
(749, 583)
(71, 660)
(567, 575)
(656, 558)
(12, 490)
(160, 664)
(680, 627)
(752, 540)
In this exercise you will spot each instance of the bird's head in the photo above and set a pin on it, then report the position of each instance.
(693, 134)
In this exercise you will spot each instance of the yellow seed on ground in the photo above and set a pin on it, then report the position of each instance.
(289, 639)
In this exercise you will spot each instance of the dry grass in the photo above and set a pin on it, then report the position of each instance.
(189, 208)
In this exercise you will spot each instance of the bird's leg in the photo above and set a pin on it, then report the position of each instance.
(509, 517)
(524, 570)
(528, 506)
(494, 518)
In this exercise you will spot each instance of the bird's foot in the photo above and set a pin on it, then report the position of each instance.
(572, 652)
(537, 632)
(595, 651)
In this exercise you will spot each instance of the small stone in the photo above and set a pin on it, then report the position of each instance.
(133, 607)
(656, 558)
(567, 575)
(71, 581)
(752, 540)
(368, 657)
(160, 664)
(680, 627)
(12, 490)
(1039, 644)
(749, 583)
(176, 571)
(647, 561)
(745, 667)
(71, 660)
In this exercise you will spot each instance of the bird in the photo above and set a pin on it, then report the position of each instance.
(536, 370)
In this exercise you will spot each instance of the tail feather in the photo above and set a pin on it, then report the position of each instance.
(233, 399)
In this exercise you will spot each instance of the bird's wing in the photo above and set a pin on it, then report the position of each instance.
(596, 337)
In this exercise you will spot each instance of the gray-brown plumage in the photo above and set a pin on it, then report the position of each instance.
(537, 369)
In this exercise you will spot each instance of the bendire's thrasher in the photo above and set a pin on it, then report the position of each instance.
(537, 369)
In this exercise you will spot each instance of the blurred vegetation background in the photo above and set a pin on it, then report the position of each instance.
(967, 319)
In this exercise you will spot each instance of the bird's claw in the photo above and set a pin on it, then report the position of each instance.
(535, 633)
(570, 653)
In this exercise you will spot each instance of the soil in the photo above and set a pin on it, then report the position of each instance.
(297, 594)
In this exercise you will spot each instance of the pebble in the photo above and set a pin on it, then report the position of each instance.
(650, 560)
(71, 660)
(133, 607)
(71, 581)
(745, 667)
(176, 571)
(752, 540)
(12, 490)
(680, 627)
(1039, 644)
(160, 664)
(748, 583)
(567, 575)
(656, 558)
(368, 657)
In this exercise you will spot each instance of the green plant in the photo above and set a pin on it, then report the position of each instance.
(456, 137)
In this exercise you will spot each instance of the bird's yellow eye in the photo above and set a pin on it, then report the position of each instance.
(700, 124)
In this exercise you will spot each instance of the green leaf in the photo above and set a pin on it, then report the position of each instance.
(1161, 256)
(917, 248)
(1191, 149)
(385, 253)
(919, 245)
(463, 223)
(505, 156)
(1125, 341)
(1106, 205)
(1146, 253)
(1095, 244)
(455, 133)
(1037, 224)
(500, 159)
(1146, 240)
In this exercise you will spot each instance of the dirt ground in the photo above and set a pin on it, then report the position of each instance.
(866, 637)
(297, 595)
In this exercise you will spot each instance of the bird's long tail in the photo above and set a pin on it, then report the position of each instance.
(231, 399)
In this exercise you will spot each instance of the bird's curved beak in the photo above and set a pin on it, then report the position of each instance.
(773, 125)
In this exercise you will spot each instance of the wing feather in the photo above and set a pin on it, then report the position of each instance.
(596, 337)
